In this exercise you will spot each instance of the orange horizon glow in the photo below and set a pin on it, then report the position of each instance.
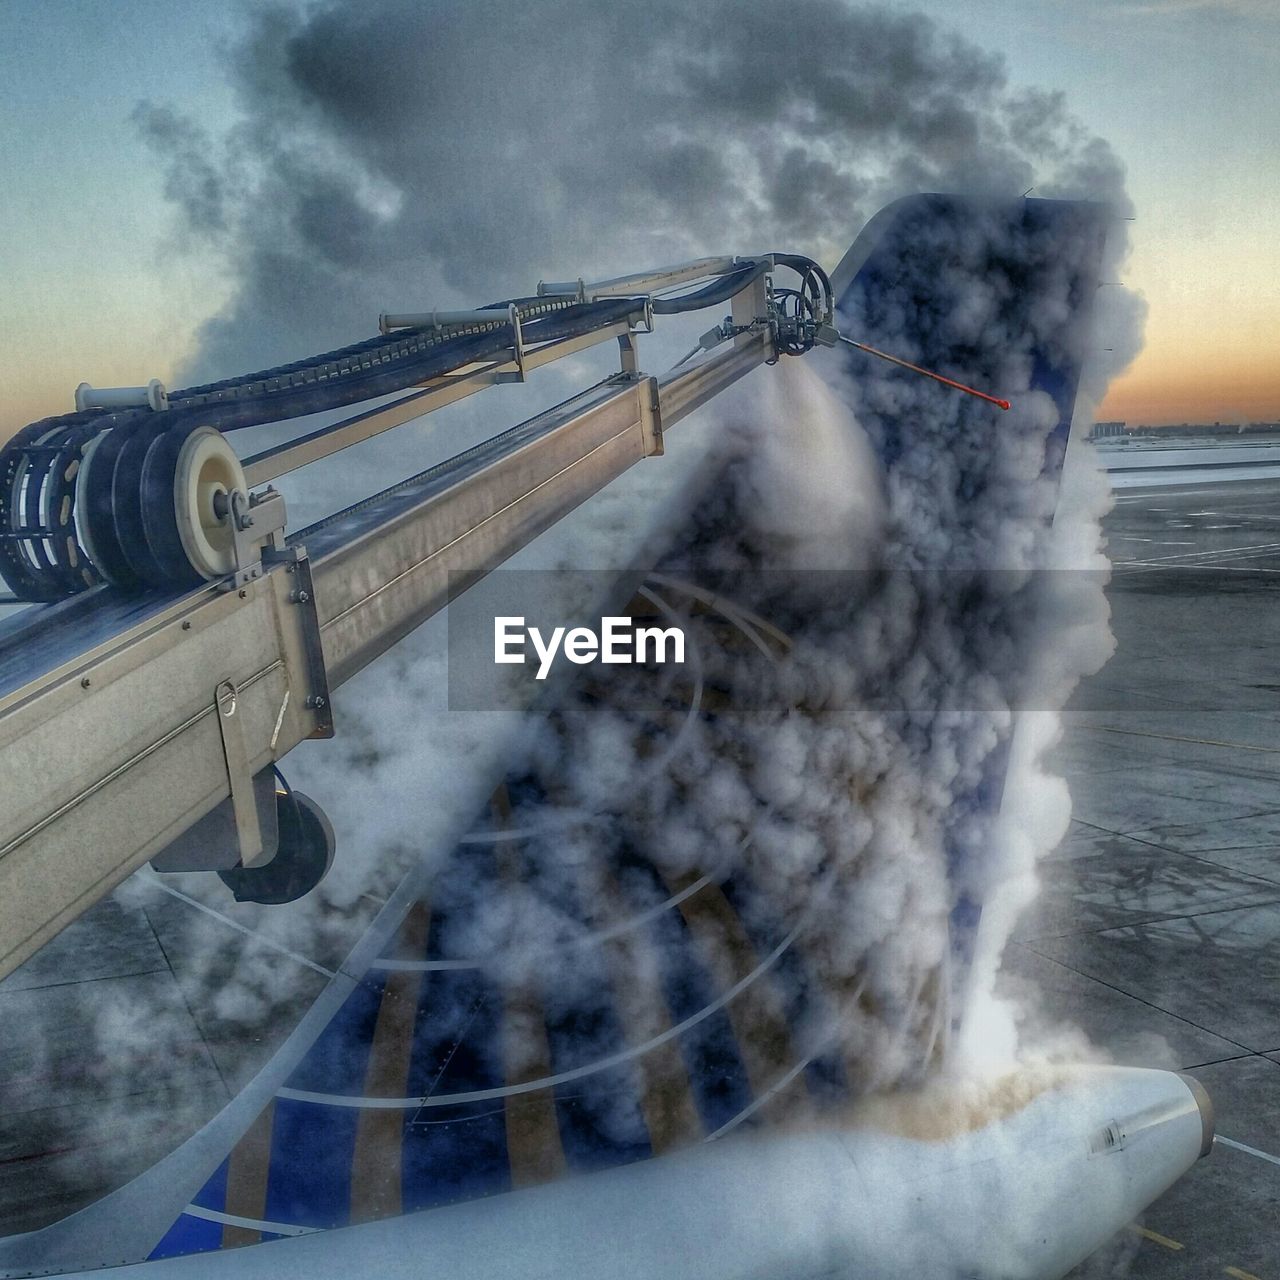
(1213, 298)
(1151, 394)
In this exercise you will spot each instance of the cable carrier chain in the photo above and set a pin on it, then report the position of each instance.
(187, 644)
(139, 487)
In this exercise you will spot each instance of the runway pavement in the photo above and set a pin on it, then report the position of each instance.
(1158, 928)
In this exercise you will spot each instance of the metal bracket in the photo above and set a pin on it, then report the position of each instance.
(303, 596)
(651, 422)
(517, 340)
(213, 844)
(257, 528)
(627, 341)
(243, 802)
(517, 350)
(750, 310)
(629, 349)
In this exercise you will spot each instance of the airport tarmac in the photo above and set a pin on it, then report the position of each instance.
(1158, 927)
(1156, 931)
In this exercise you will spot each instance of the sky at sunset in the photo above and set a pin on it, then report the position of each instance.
(96, 287)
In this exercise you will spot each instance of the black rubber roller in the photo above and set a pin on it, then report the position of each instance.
(128, 501)
(303, 857)
(159, 507)
(95, 498)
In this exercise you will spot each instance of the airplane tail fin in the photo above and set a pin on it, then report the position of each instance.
(998, 295)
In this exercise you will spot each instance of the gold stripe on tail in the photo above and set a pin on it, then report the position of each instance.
(247, 1170)
(759, 1024)
(666, 1098)
(376, 1161)
(534, 1147)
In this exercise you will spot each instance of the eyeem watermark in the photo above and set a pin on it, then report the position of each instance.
(619, 641)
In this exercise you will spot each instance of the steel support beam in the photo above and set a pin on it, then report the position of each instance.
(683, 390)
(641, 282)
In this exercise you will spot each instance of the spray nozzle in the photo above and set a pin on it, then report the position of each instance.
(915, 368)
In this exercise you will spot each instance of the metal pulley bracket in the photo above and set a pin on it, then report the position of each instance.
(257, 529)
(517, 348)
(299, 645)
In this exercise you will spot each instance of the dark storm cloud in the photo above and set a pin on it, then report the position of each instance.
(193, 182)
(416, 152)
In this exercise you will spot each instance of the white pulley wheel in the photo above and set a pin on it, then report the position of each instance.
(207, 467)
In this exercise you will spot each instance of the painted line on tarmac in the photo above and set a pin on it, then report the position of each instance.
(1251, 1151)
(154, 879)
(1156, 1238)
(1174, 737)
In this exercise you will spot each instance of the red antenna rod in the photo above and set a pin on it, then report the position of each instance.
(915, 368)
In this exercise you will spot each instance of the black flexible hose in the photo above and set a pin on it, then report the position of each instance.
(711, 295)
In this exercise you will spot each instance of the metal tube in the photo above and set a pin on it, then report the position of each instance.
(915, 368)
(152, 395)
(439, 319)
(685, 389)
(643, 282)
(385, 566)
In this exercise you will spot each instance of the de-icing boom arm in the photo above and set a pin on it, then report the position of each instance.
(195, 644)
